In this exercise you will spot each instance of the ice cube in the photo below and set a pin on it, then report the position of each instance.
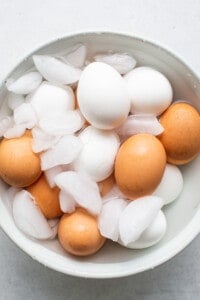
(56, 71)
(29, 218)
(6, 122)
(82, 189)
(60, 124)
(64, 152)
(77, 56)
(50, 175)
(25, 84)
(109, 218)
(42, 141)
(15, 100)
(67, 202)
(25, 115)
(122, 62)
(137, 216)
(15, 131)
(135, 124)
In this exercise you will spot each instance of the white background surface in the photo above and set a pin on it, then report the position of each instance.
(26, 24)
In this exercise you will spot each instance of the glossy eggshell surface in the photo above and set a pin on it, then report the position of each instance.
(149, 90)
(19, 165)
(181, 136)
(102, 96)
(139, 165)
(47, 198)
(106, 185)
(78, 233)
(97, 156)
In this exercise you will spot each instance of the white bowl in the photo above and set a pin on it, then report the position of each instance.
(183, 216)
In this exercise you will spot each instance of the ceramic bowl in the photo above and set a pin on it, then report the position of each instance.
(183, 216)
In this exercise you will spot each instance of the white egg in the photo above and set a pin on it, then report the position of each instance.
(171, 184)
(98, 153)
(149, 90)
(49, 98)
(102, 96)
(153, 234)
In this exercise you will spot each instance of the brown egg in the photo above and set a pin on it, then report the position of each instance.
(76, 102)
(78, 233)
(139, 165)
(47, 198)
(19, 165)
(106, 185)
(181, 136)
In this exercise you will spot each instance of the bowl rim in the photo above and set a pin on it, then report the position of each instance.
(175, 245)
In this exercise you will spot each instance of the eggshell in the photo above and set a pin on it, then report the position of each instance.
(139, 165)
(181, 136)
(106, 185)
(78, 233)
(49, 98)
(149, 91)
(98, 153)
(47, 198)
(153, 234)
(171, 184)
(19, 165)
(102, 96)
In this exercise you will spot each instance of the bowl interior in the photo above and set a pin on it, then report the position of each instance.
(182, 215)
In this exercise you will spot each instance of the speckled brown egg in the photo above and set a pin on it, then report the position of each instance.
(19, 165)
(139, 165)
(181, 136)
(47, 198)
(78, 233)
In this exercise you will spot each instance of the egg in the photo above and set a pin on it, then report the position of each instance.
(139, 165)
(149, 90)
(106, 185)
(78, 233)
(50, 98)
(75, 99)
(97, 156)
(102, 96)
(46, 198)
(181, 136)
(19, 165)
(171, 184)
(152, 235)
